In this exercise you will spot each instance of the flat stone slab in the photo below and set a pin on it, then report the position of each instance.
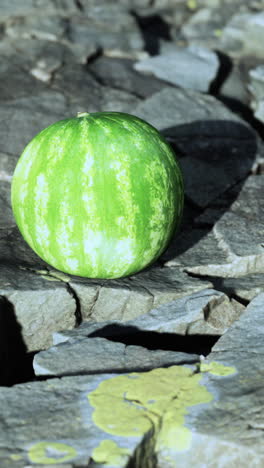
(6, 214)
(243, 34)
(98, 28)
(29, 115)
(98, 355)
(245, 288)
(120, 74)
(72, 438)
(39, 307)
(207, 312)
(174, 67)
(256, 88)
(163, 415)
(127, 298)
(233, 247)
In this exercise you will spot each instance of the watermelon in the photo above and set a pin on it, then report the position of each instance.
(98, 195)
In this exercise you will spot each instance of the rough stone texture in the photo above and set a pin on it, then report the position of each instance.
(120, 74)
(133, 296)
(41, 307)
(174, 67)
(28, 115)
(222, 401)
(207, 312)
(256, 87)
(243, 34)
(6, 214)
(199, 306)
(97, 355)
(236, 417)
(233, 247)
(65, 403)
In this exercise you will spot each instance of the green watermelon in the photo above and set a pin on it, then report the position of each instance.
(98, 195)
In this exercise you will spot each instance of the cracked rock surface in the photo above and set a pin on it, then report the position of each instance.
(163, 368)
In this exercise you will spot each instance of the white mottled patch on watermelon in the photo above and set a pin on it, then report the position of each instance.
(73, 264)
(116, 165)
(23, 192)
(87, 198)
(139, 143)
(88, 162)
(65, 228)
(41, 199)
(113, 147)
(87, 172)
(92, 241)
(125, 248)
(124, 186)
(57, 152)
(120, 220)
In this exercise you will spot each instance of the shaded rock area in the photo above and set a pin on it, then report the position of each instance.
(163, 368)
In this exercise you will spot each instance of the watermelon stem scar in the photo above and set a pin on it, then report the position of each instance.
(82, 114)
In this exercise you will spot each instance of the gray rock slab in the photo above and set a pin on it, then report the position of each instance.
(174, 67)
(28, 116)
(31, 7)
(120, 74)
(15, 82)
(207, 312)
(245, 338)
(120, 100)
(233, 246)
(99, 29)
(242, 347)
(14, 250)
(244, 288)
(49, 27)
(199, 246)
(204, 312)
(219, 148)
(7, 166)
(235, 417)
(78, 86)
(240, 230)
(256, 88)
(190, 412)
(40, 307)
(235, 86)
(243, 34)
(44, 55)
(6, 214)
(203, 27)
(28, 437)
(131, 297)
(84, 93)
(100, 355)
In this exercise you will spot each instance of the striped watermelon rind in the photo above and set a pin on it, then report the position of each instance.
(99, 195)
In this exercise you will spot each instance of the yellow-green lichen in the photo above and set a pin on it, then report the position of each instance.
(109, 453)
(53, 275)
(50, 453)
(15, 456)
(156, 399)
(192, 4)
(216, 368)
(218, 32)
